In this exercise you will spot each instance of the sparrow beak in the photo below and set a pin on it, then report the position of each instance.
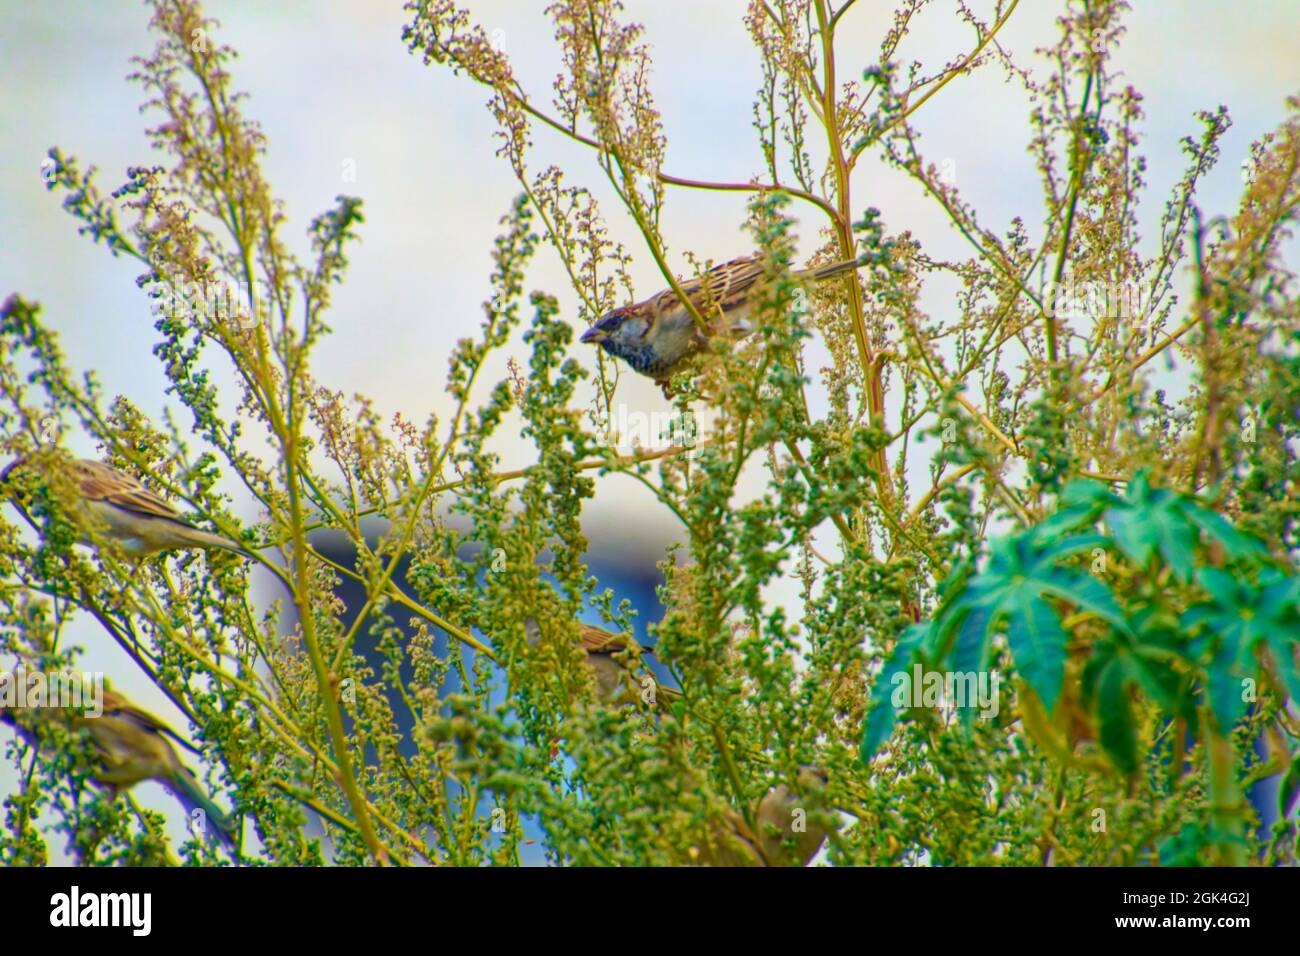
(594, 336)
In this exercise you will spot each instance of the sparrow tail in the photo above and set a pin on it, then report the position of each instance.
(834, 269)
(206, 539)
(192, 797)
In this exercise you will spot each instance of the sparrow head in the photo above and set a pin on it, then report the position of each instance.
(619, 327)
(813, 777)
(653, 346)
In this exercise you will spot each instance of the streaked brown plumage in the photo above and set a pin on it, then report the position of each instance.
(116, 507)
(128, 746)
(787, 832)
(658, 335)
(613, 660)
(728, 842)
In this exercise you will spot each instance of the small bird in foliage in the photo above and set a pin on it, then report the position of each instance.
(127, 746)
(658, 335)
(788, 829)
(116, 507)
(728, 842)
(613, 660)
(788, 833)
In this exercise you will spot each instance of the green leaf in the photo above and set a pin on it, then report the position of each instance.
(1037, 643)
(1184, 847)
(1021, 571)
(1235, 544)
(1239, 617)
(974, 641)
(1176, 541)
(1226, 589)
(1225, 680)
(1154, 524)
(1087, 493)
(1132, 534)
(1115, 715)
(1161, 520)
(883, 714)
(1088, 593)
(1066, 548)
(1161, 683)
(1290, 789)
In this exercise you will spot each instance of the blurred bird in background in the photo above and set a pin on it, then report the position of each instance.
(788, 828)
(113, 506)
(615, 666)
(127, 746)
(788, 831)
(658, 335)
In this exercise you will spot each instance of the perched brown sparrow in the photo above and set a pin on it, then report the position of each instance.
(786, 836)
(729, 842)
(656, 336)
(613, 662)
(786, 831)
(128, 746)
(118, 508)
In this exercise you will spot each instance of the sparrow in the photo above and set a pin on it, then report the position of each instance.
(728, 842)
(613, 660)
(786, 836)
(128, 746)
(116, 507)
(658, 335)
(787, 832)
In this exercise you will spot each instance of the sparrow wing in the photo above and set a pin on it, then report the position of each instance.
(98, 482)
(597, 640)
(115, 705)
(723, 287)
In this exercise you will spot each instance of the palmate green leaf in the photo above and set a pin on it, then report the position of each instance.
(1169, 687)
(956, 577)
(1171, 690)
(1117, 732)
(1107, 677)
(1278, 615)
(1089, 679)
(1132, 535)
(1037, 643)
(1023, 571)
(1150, 521)
(1235, 544)
(1066, 548)
(1185, 847)
(1227, 684)
(1283, 649)
(1151, 658)
(1230, 626)
(1063, 522)
(1156, 525)
(974, 640)
(1280, 595)
(1081, 504)
(882, 714)
(1086, 592)
(1227, 590)
(1087, 493)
